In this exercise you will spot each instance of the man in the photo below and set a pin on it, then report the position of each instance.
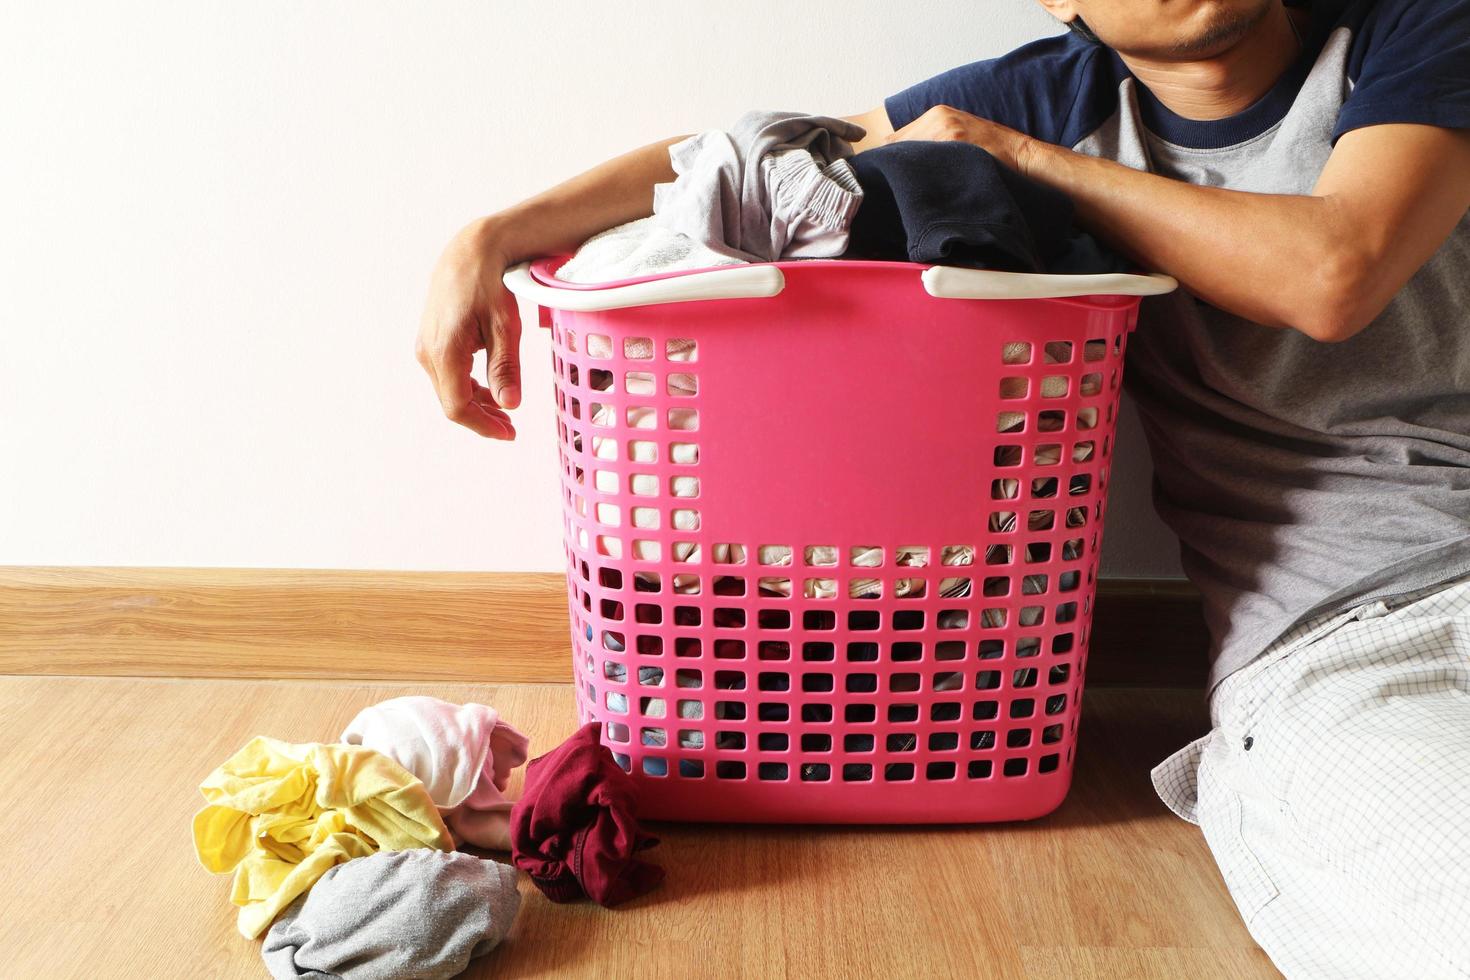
(1304, 171)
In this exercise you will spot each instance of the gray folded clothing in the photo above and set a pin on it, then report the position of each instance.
(400, 915)
(776, 185)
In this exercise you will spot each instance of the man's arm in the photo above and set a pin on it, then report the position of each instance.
(1325, 263)
(875, 121)
(469, 308)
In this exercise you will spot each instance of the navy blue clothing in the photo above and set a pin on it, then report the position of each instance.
(953, 203)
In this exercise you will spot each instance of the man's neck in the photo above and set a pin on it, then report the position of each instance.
(1224, 83)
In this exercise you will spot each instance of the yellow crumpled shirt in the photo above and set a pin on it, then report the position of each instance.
(280, 815)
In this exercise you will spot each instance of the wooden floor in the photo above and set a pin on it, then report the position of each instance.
(100, 780)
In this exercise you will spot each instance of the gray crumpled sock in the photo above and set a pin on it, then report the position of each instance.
(419, 914)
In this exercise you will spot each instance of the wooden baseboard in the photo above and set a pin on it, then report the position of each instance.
(441, 626)
(266, 623)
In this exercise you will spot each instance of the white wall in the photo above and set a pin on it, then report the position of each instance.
(218, 223)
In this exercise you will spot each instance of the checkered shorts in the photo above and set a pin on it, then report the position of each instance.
(1334, 790)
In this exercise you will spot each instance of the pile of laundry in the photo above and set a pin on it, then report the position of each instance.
(784, 185)
(345, 855)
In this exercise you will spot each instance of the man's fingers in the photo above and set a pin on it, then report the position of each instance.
(504, 372)
(503, 353)
(481, 414)
(497, 424)
(484, 418)
(464, 401)
(939, 123)
(482, 423)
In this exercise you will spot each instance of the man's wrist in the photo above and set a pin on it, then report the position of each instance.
(489, 238)
(1031, 155)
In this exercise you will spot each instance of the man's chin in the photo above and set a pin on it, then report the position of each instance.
(1225, 31)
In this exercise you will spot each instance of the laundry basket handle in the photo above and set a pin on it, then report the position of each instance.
(949, 282)
(734, 282)
(760, 281)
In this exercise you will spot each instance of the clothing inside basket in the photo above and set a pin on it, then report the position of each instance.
(782, 186)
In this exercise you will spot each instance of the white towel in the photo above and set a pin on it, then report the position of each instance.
(638, 248)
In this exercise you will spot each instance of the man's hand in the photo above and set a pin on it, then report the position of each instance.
(945, 124)
(469, 308)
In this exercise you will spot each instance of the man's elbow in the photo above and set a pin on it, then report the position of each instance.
(1333, 322)
(1338, 298)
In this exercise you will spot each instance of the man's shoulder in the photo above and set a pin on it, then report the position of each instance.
(1038, 88)
(1408, 62)
(1043, 67)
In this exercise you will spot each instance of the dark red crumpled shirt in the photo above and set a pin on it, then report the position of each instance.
(574, 829)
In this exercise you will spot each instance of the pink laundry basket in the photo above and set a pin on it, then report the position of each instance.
(832, 530)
